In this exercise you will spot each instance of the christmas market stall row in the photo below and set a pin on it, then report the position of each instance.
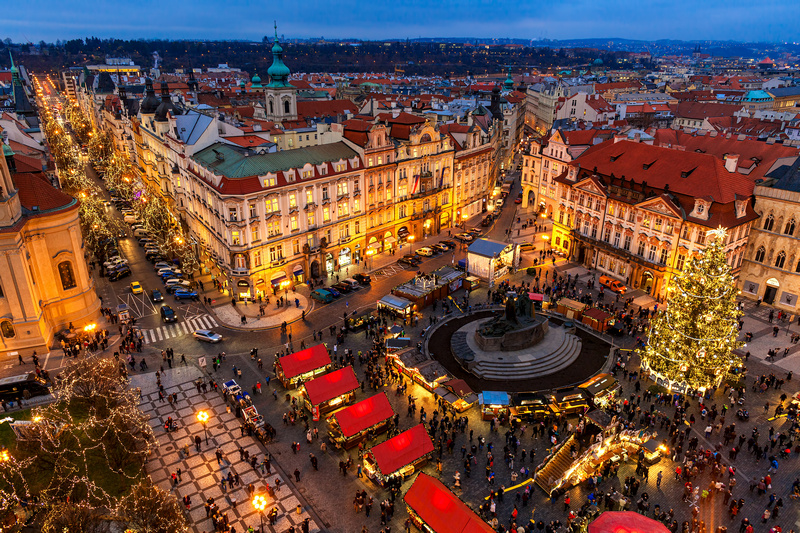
(398, 456)
(330, 391)
(358, 422)
(435, 509)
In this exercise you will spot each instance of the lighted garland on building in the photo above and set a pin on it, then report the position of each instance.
(692, 340)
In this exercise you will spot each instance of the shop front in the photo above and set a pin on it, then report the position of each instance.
(399, 456)
(243, 289)
(494, 404)
(388, 241)
(433, 508)
(358, 422)
(402, 234)
(444, 220)
(345, 257)
(293, 369)
(298, 274)
(457, 394)
(415, 365)
(279, 281)
(394, 305)
(330, 263)
(330, 391)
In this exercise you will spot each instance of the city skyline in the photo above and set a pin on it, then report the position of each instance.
(49, 20)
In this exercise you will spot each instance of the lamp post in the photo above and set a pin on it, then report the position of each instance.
(370, 253)
(202, 417)
(259, 504)
(411, 243)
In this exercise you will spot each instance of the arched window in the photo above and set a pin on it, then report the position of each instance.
(769, 222)
(781, 259)
(789, 229)
(7, 329)
(67, 275)
(286, 107)
(271, 108)
(798, 267)
(760, 255)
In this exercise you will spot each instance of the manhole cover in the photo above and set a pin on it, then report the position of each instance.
(169, 447)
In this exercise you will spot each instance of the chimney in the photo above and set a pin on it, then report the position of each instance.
(620, 137)
(637, 137)
(731, 162)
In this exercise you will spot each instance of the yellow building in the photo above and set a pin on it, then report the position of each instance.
(44, 281)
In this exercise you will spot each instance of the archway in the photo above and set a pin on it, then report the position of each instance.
(314, 268)
(647, 281)
(771, 291)
(531, 197)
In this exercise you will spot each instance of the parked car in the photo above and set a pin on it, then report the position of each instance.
(465, 237)
(363, 279)
(414, 258)
(161, 264)
(207, 336)
(183, 294)
(168, 314)
(156, 296)
(163, 270)
(475, 232)
(322, 295)
(486, 221)
(342, 287)
(119, 273)
(613, 284)
(144, 241)
(425, 251)
(449, 243)
(499, 202)
(136, 287)
(526, 247)
(519, 199)
(440, 247)
(407, 261)
(154, 258)
(333, 292)
(353, 284)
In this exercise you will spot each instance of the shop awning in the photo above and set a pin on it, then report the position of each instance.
(390, 239)
(488, 397)
(320, 390)
(536, 296)
(626, 522)
(395, 302)
(278, 278)
(441, 510)
(402, 232)
(374, 246)
(402, 450)
(363, 415)
(304, 361)
(297, 270)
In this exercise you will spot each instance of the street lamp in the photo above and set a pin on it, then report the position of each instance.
(202, 417)
(370, 253)
(411, 243)
(4, 456)
(259, 504)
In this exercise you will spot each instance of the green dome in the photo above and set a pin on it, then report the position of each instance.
(256, 79)
(278, 71)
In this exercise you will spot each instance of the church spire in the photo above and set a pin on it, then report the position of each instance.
(278, 71)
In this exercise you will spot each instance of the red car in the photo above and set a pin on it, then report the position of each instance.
(518, 200)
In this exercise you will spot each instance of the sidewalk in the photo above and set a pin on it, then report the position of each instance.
(200, 478)
(274, 316)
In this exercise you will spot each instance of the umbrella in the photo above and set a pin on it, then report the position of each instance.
(626, 522)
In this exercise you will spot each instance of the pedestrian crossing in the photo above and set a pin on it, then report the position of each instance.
(178, 329)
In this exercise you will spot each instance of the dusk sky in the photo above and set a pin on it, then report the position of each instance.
(744, 20)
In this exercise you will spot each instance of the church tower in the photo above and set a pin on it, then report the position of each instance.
(10, 208)
(279, 95)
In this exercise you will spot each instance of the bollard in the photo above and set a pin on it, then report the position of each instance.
(299, 509)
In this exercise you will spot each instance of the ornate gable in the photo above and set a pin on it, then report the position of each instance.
(591, 186)
(660, 206)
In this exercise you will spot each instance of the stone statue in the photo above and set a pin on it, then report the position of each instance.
(525, 306)
(511, 310)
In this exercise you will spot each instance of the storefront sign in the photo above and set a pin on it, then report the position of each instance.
(243, 283)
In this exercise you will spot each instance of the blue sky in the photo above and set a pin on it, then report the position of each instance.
(747, 20)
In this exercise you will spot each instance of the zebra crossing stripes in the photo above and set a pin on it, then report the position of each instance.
(178, 329)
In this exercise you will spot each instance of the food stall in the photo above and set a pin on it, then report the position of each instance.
(330, 391)
(433, 508)
(597, 319)
(419, 367)
(530, 405)
(398, 456)
(297, 367)
(571, 401)
(424, 289)
(572, 309)
(394, 344)
(491, 260)
(628, 521)
(494, 404)
(457, 394)
(472, 283)
(602, 389)
(353, 424)
(396, 305)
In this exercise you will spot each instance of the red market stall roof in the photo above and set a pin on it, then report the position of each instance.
(442, 510)
(597, 314)
(299, 363)
(363, 415)
(403, 449)
(626, 522)
(320, 390)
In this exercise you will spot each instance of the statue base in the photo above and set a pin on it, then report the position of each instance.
(524, 336)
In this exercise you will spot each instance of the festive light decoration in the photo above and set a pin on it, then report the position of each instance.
(691, 341)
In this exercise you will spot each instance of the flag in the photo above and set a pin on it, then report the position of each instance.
(415, 185)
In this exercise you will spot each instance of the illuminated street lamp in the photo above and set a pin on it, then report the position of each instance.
(202, 417)
(259, 504)
(370, 253)
(4, 456)
(411, 243)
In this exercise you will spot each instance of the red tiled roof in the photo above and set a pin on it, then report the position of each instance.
(247, 140)
(36, 191)
(702, 110)
(325, 108)
(401, 118)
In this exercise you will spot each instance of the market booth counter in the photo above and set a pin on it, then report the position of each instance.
(417, 366)
(435, 509)
(423, 290)
(330, 391)
(398, 456)
(602, 389)
(300, 366)
(597, 319)
(457, 394)
(494, 404)
(351, 425)
(571, 309)
(531, 406)
(571, 401)
(396, 305)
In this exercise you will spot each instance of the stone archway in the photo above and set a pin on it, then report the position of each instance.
(772, 286)
(314, 268)
(648, 280)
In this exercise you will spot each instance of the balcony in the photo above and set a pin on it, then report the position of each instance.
(240, 271)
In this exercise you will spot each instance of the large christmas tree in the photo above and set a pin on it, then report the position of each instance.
(691, 342)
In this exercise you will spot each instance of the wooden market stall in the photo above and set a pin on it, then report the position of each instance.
(457, 394)
(425, 289)
(395, 305)
(602, 389)
(571, 401)
(299, 366)
(419, 367)
(398, 456)
(330, 391)
(531, 405)
(597, 319)
(353, 424)
(571, 309)
(494, 404)
(435, 509)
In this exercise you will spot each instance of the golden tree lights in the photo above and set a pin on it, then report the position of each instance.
(692, 340)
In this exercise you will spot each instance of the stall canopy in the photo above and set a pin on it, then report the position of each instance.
(304, 361)
(331, 385)
(625, 522)
(404, 449)
(395, 302)
(487, 248)
(365, 414)
(488, 397)
(442, 510)
(599, 383)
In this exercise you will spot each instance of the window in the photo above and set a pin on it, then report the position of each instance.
(646, 221)
(271, 205)
(607, 235)
(401, 212)
(254, 234)
(680, 262)
(325, 193)
(658, 224)
(627, 243)
(8, 329)
(760, 255)
(701, 237)
(311, 219)
(356, 205)
(344, 231)
(623, 269)
(235, 238)
(293, 223)
(273, 228)
(358, 227)
(640, 251)
(769, 222)
(685, 232)
(781, 259)
(789, 230)
(233, 214)
(594, 231)
(292, 201)
(257, 258)
(402, 190)
(311, 241)
(663, 258)
(326, 214)
(651, 256)
(253, 212)
(617, 237)
(341, 188)
(309, 196)
(296, 246)
(67, 276)
(270, 182)
(275, 253)
(343, 209)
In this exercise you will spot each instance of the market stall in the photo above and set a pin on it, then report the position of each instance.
(627, 522)
(531, 405)
(424, 289)
(571, 309)
(361, 321)
(351, 425)
(571, 401)
(396, 305)
(457, 394)
(398, 456)
(597, 319)
(419, 367)
(433, 508)
(491, 260)
(602, 389)
(330, 391)
(494, 404)
(295, 368)
(394, 344)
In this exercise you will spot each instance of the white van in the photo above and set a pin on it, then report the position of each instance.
(141, 232)
(129, 218)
